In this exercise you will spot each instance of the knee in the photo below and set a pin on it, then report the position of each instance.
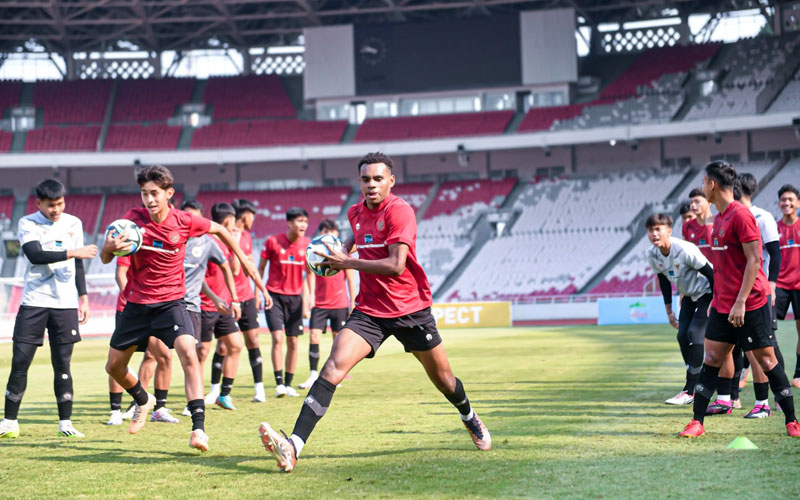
(713, 359)
(277, 338)
(234, 345)
(114, 368)
(332, 371)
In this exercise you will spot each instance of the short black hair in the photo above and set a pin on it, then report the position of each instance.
(749, 184)
(50, 189)
(220, 211)
(243, 206)
(296, 212)
(158, 174)
(192, 204)
(327, 225)
(376, 157)
(696, 192)
(658, 219)
(685, 209)
(737, 189)
(788, 188)
(722, 173)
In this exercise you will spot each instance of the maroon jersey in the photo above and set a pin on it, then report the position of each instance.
(789, 277)
(124, 262)
(331, 292)
(287, 260)
(244, 290)
(215, 279)
(734, 226)
(693, 232)
(157, 267)
(393, 221)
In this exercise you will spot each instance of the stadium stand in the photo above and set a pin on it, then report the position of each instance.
(86, 207)
(789, 98)
(767, 197)
(267, 133)
(72, 102)
(118, 204)
(5, 141)
(9, 95)
(57, 138)
(137, 137)
(758, 168)
(6, 211)
(415, 193)
(248, 97)
(150, 100)
(748, 69)
(433, 126)
(271, 206)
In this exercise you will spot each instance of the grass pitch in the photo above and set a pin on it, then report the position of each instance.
(575, 412)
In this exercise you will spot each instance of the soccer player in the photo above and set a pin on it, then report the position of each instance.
(332, 299)
(739, 313)
(248, 322)
(286, 255)
(155, 304)
(686, 213)
(680, 262)
(788, 290)
(220, 285)
(394, 299)
(54, 298)
(698, 230)
(730, 373)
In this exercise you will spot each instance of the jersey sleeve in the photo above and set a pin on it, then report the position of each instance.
(651, 261)
(769, 229)
(198, 226)
(215, 254)
(693, 257)
(401, 225)
(685, 230)
(78, 233)
(124, 261)
(27, 231)
(266, 252)
(745, 225)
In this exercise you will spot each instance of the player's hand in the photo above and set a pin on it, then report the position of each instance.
(222, 307)
(672, 319)
(83, 310)
(773, 300)
(237, 310)
(249, 269)
(335, 260)
(736, 316)
(267, 301)
(118, 243)
(87, 252)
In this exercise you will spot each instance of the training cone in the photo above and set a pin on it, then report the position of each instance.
(742, 443)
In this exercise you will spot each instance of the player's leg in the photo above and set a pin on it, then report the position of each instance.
(761, 408)
(715, 353)
(294, 329)
(316, 324)
(208, 321)
(437, 366)
(691, 325)
(348, 349)
(193, 384)
(723, 405)
(738, 366)
(60, 357)
(216, 370)
(228, 335)
(148, 367)
(115, 399)
(277, 361)
(21, 358)
(248, 324)
(117, 367)
(796, 377)
(162, 379)
(779, 383)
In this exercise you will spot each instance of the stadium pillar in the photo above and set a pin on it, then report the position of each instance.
(247, 61)
(69, 61)
(684, 31)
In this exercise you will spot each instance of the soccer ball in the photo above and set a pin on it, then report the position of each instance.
(314, 261)
(131, 232)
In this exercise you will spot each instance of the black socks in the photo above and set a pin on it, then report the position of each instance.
(116, 400)
(138, 394)
(216, 368)
(313, 356)
(779, 383)
(197, 408)
(314, 407)
(278, 377)
(255, 364)
(161, 398)
(706, 385)
(227, 385)
(459, 398)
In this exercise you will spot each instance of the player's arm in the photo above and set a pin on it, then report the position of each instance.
(393, 265)
(121, 277)
(83, 295)
(37, 256)
(113, 244)
(247, 267)
(310, 289)
(227, 273)
(220, 304)
(349, 245)
(752, 252)
(774, 251)
(350, 275)
(666, 292)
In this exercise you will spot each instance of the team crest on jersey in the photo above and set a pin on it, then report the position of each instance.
(380, 225)
(677, 266)
(174, 237)
(722, 232)
(367, 238)
(716, 243)
(197, 252)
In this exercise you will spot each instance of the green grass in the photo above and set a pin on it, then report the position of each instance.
(574, 412)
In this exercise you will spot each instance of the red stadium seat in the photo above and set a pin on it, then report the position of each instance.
(70, 138)
(267, 133)
(79, 101)
(433, 126)
(248, 97)
(142, 137)
(154, 99)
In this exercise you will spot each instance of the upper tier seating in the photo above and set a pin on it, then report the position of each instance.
(458, 204)
(249, 96)
(142, 137)
(9, 95)
(433, 126)
(118, 204)
(6, 211)
(154, 99)
(6, 138)
(767, 197)
(69, 138)
(76, 102)
(267, 133)
(789, 98)
(86, 207)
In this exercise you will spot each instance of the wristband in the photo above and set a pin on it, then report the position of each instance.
(235, 304)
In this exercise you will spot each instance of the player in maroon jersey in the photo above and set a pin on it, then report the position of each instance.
(740, 313)
(788, 289)
(332, 300)
(155, 304)
(286, 255)
(394, 299)
(698, 230)
(687, 214)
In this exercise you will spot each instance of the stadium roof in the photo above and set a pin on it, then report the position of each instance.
(98, 25)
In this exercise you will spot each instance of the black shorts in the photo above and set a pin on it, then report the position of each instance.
(693, 318)
(416, 331)
(197, 324)
(755, 333)
(285, 314)
(321, 317)
(249, 319)
(783, 298)
(138, 322)
(61, 325)
(216, 325)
